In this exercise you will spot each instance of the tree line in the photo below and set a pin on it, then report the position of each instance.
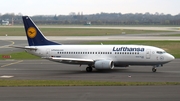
(98, 19)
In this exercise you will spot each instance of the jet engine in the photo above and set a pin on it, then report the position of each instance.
(104, 64)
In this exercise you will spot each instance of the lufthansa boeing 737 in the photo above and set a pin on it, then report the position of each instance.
(94, 56)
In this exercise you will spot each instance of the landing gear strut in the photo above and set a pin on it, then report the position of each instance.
(154, 69)
(89, 69)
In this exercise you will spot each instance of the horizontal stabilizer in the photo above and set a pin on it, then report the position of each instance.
(21, 47)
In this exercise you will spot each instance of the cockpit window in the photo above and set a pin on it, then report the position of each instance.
(160, 52)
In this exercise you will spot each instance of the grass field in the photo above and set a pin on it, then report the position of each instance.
(39, 83)
(18, 31)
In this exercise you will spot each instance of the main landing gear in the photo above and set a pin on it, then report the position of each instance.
(89, 69)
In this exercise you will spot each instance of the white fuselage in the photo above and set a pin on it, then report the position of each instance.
(121, 55)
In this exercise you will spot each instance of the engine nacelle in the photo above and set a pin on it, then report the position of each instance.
(104, 64)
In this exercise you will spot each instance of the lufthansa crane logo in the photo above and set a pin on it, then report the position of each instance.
(31, 32)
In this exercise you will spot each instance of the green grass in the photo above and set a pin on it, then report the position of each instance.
(171, 47)
(20, 55)
(18, 31)
(39, 83)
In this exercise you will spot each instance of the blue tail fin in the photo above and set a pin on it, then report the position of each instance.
(34, 35)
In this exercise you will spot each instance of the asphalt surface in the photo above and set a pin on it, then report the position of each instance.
(47, 70)
(110, 93)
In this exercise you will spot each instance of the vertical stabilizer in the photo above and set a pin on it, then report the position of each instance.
(34, 35)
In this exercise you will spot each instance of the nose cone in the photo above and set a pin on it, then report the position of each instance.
(170, 57)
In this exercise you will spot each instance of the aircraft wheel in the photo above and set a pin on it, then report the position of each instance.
(89, 69)
(154, 69)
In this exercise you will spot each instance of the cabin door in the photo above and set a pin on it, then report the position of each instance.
(47, 53)
(148, 54)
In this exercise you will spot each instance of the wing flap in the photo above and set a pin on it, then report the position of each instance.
(72, 60)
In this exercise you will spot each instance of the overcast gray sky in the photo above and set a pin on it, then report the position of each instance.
(64, 7)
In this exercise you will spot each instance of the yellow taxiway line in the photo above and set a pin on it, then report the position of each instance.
(6, 46)
(12, 63)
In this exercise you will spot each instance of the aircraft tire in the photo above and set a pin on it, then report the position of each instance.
(89, 69)
(154, 69)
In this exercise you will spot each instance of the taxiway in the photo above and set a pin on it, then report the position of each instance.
(47, 70)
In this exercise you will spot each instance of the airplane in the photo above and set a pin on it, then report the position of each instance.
(97, 57)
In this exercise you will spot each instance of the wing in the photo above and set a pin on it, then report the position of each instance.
(72, 60)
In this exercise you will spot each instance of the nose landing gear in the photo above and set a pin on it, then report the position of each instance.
(154, 69)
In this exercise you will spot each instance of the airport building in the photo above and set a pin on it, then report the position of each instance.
(5, 22)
